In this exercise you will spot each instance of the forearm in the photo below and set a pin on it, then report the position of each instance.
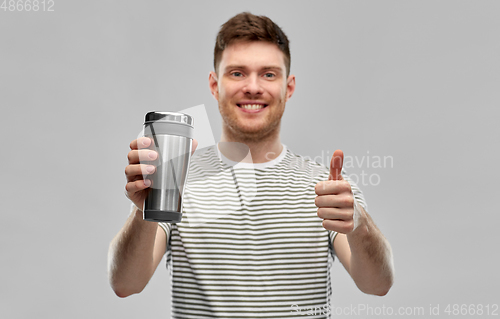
(371, 264)
(130, 257)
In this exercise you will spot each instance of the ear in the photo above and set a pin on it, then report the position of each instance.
(290, 86)
(213, 83)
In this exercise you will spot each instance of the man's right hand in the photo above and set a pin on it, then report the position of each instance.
(137, 187)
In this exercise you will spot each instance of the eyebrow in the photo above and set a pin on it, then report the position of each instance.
(234, 66)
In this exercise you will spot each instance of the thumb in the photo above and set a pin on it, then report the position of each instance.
(336, 165)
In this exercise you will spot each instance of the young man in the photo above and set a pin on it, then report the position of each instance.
(260, 254)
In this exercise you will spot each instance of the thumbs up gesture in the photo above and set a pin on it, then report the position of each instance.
(335, 201)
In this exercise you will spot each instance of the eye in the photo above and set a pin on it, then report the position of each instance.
(236, 74)
(269, 75)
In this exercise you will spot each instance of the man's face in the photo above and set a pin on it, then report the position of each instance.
(251, 88)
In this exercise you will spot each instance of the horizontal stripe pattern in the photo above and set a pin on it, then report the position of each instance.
(250, 244)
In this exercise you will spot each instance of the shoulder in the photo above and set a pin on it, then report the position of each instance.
(295, 163)
(204, 164)
(306, 160)
(204, 158)
(202, 155)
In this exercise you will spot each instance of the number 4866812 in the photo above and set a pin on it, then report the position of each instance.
(472, 310)
(27, 5)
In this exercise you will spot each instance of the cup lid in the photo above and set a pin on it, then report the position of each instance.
(169, 117)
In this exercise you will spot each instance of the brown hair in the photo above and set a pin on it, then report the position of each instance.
(248, 27)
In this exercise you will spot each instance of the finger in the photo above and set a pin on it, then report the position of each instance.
(335, 213)
(137, 186)
(139, 156)
(340, 226)
(141, 142)
(336, 165)
(137, 171)
(194, 146)
(335, 201)
(332, 187)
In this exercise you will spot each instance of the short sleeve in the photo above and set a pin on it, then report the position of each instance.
(167, 227)
(331, 236)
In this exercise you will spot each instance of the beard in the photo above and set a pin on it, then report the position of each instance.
(235, 130)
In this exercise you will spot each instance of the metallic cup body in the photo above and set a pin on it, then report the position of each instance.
(172, 138)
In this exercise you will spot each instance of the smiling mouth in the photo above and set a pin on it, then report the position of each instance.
(252, 106)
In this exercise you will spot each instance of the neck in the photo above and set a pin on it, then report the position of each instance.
(262, 150)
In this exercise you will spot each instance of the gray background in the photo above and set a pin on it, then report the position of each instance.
(417, 81)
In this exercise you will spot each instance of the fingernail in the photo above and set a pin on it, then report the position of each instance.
(150, 169)
(152, 155)
(145, 142)
(147, 182)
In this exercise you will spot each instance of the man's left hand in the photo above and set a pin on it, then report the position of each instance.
(335, 201)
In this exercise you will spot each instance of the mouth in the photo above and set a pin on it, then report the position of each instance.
(252, 106)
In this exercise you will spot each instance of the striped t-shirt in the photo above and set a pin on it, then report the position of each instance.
(250, 244)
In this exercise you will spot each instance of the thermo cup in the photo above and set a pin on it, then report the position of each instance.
(172, 135)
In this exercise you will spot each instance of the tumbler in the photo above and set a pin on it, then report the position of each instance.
(172, 135)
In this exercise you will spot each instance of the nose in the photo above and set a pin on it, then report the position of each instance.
(252, 85)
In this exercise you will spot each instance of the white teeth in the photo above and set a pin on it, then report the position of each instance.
(252, 106)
